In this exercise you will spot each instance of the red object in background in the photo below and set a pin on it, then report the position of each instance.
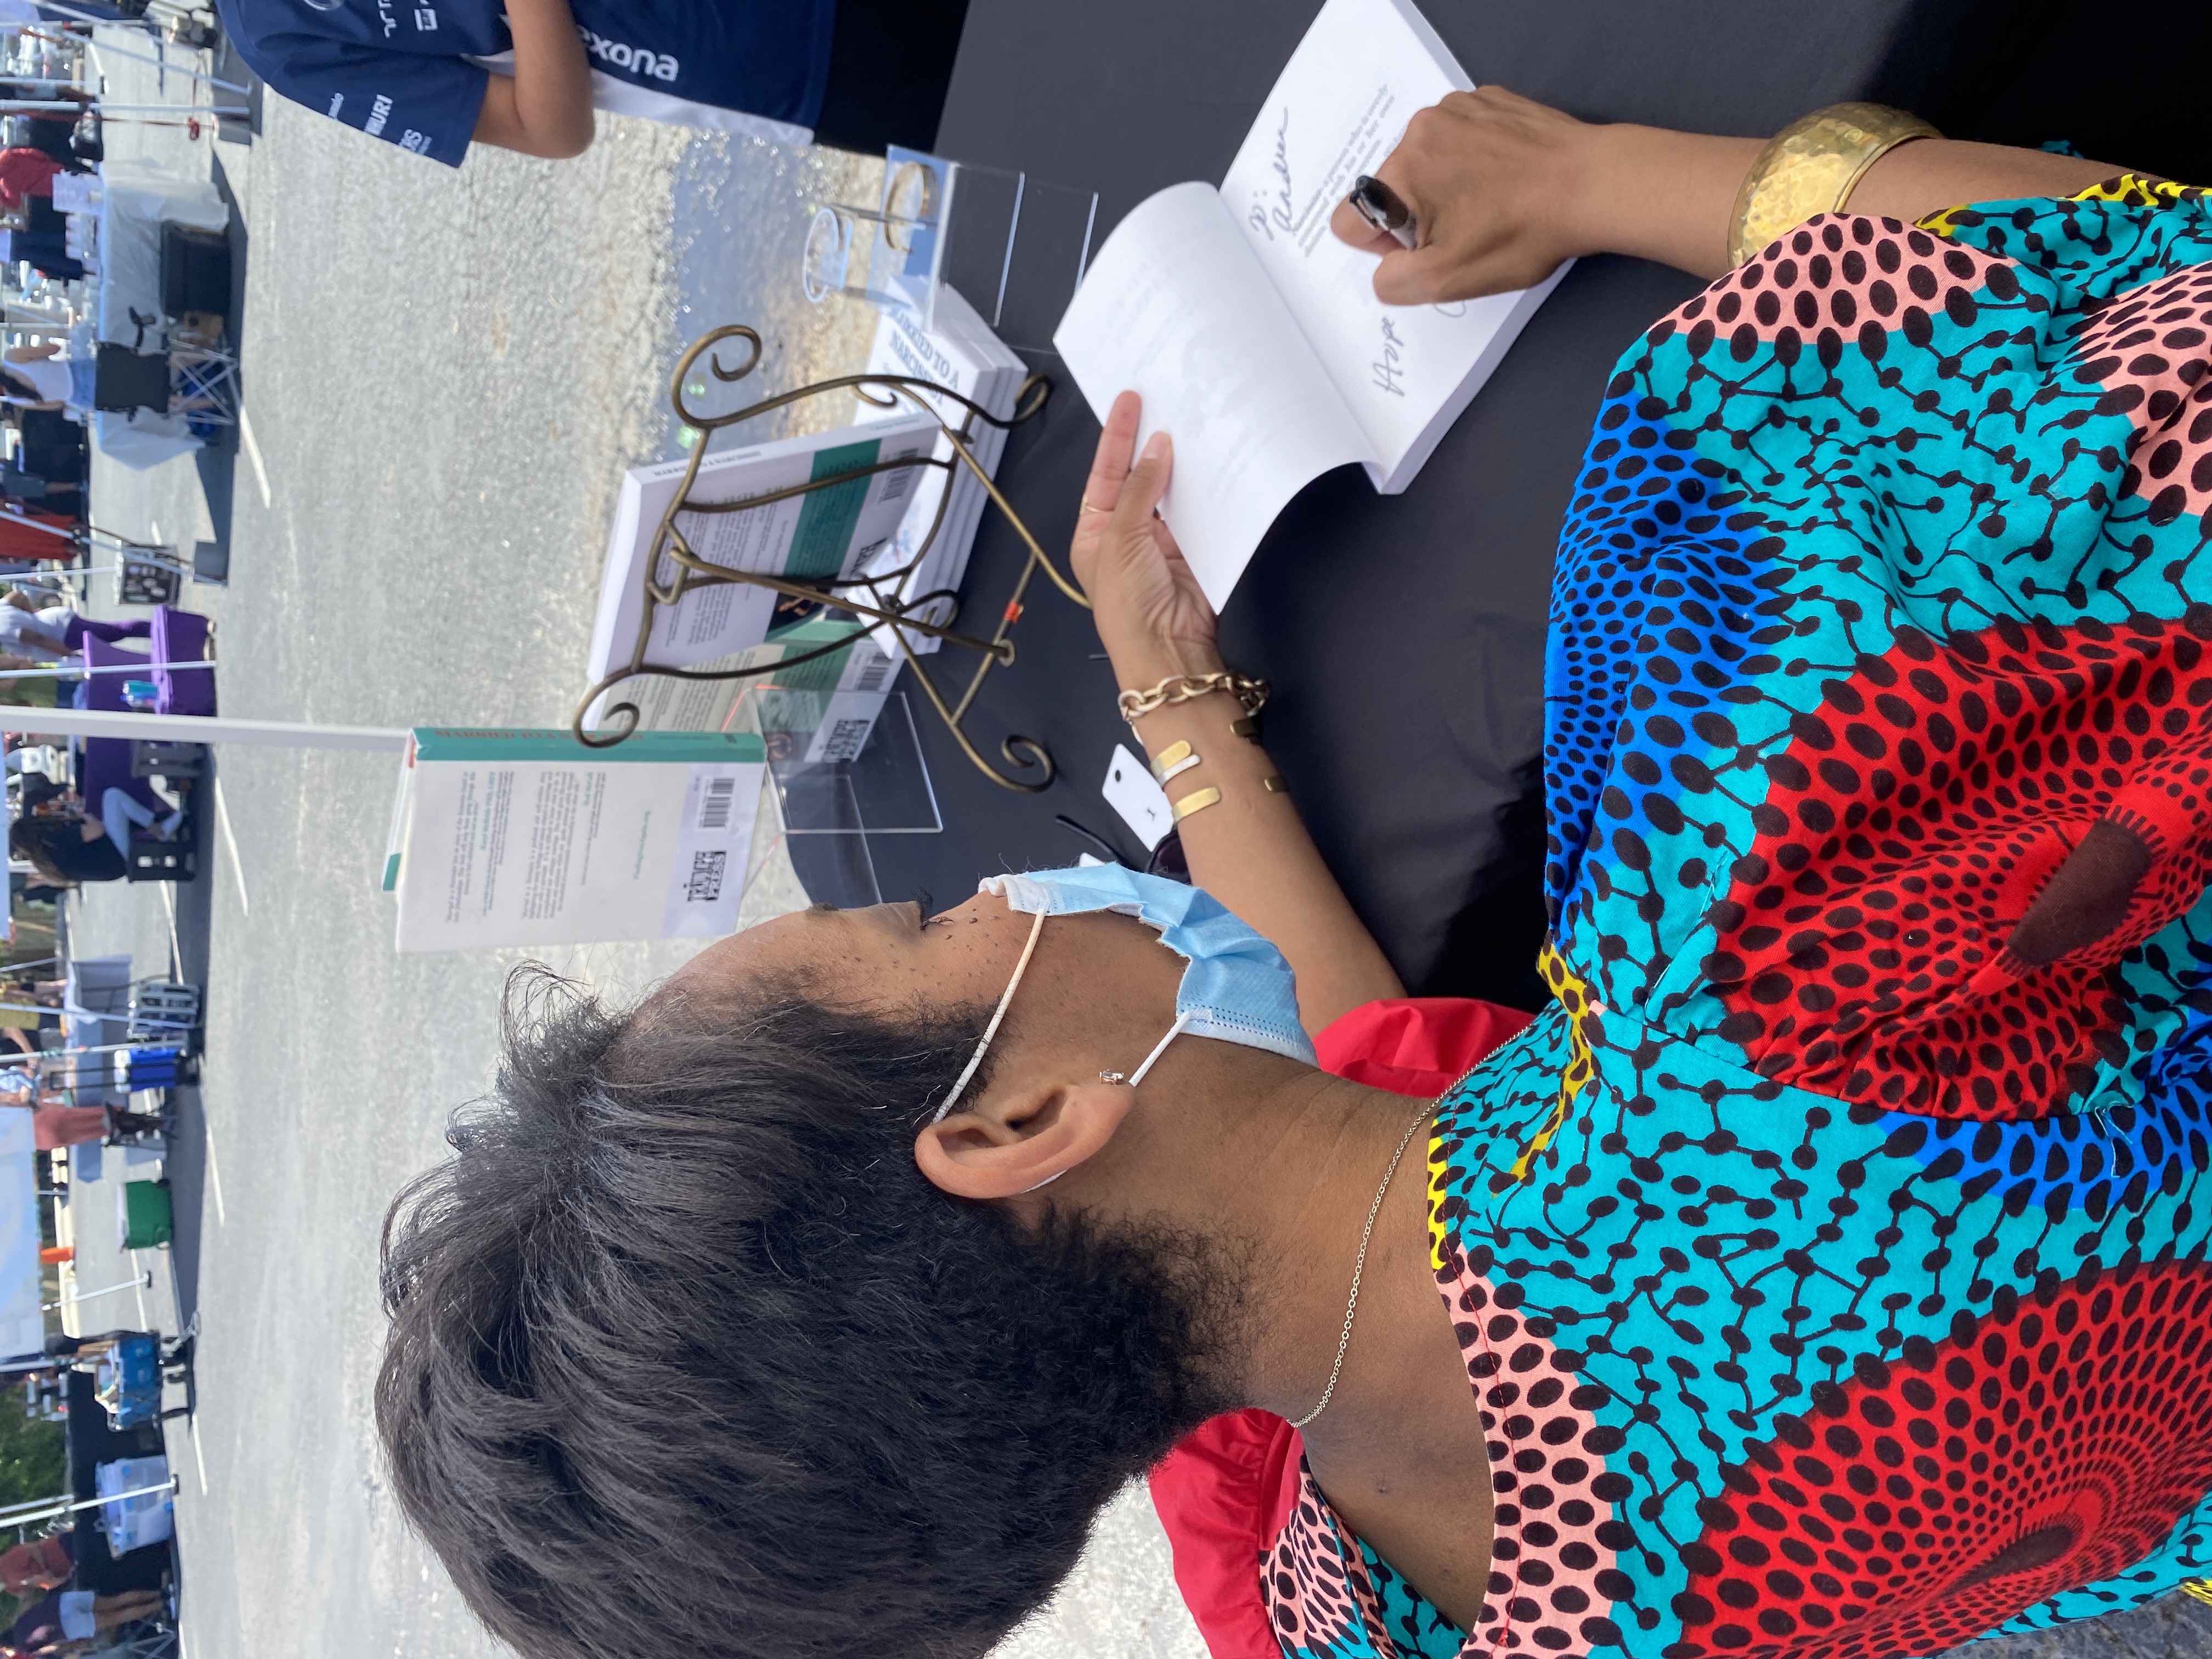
(1225, 1493)
(53, 1254)
(19, 543)
(26, 172)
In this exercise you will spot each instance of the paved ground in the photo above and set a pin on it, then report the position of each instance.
(445, 371)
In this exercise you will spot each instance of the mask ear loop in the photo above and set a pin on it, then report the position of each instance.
(1133, 1080)
(1174, 1031)
(991, 1029)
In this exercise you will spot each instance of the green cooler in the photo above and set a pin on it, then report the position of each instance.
(143, 1216)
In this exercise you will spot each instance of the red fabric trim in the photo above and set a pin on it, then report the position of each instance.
(1224, 1494)
(1417, 1046)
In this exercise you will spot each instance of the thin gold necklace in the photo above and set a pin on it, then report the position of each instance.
(1360, 1265)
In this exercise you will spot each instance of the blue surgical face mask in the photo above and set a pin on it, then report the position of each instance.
(1235, 986)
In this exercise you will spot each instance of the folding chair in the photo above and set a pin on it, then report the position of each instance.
(210, 372)
(124, 381)
(146, 1639)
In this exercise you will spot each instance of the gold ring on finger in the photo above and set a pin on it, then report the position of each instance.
(1087, 508)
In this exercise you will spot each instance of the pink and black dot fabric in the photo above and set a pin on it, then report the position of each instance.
(1830, 1262)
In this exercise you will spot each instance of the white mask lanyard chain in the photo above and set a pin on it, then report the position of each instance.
(998, 1013)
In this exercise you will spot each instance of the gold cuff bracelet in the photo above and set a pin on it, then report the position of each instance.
(1197, 801)
(1811, 167)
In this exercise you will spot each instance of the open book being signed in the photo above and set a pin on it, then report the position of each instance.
(1254, 335)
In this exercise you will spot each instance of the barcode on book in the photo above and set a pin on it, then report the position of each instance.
(846, 739)
(899, 480)
(715, 806)
(706, 883)
(875, 669)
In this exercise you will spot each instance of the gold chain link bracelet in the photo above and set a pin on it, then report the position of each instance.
(1182, 688)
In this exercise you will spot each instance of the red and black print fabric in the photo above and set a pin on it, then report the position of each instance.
(1855, 1300)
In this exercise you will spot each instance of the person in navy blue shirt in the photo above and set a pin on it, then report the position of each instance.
(434, 77)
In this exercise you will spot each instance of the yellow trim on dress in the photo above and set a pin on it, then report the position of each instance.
(1438, 1173)
(2135, 190)
(2131, 189)
(1574, 996)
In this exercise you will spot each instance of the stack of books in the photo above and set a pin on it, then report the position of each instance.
(961, 354)
(836, 532)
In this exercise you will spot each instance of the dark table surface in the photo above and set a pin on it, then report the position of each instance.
(92, 1442)
(1404, 634)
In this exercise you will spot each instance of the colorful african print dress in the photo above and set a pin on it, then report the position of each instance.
(1831, 1263)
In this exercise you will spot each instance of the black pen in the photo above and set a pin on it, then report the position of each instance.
(1381, 206)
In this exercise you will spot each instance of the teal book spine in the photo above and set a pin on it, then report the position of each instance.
(493, 744)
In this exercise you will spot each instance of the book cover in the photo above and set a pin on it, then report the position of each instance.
(523, 837)
(819, 708)
(825, 533)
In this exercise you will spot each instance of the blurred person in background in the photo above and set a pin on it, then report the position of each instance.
(525, 75)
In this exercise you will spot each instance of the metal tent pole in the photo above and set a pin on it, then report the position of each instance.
(54, 1508)
(140, 1283)
(104, 108)
(166, 67)
(60, 672)
(86, 21)
(199, 728)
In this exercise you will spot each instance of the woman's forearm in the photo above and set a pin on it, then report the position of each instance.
(1249, 848)
(1504, 189)
(1670, 197)
(1916, 179)
(1251, 851)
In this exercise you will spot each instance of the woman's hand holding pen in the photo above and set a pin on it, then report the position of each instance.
(1501, 189)
(1153, 618)
(1496, 184)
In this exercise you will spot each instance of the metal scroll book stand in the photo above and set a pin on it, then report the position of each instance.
(674, 568)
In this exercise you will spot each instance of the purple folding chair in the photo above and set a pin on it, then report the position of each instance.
(181, 636)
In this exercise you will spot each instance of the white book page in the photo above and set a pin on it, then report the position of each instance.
(1176, 308)
(1339, 107)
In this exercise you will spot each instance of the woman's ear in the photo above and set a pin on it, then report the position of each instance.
(1015, 1141)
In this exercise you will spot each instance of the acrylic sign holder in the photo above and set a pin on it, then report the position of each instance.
(1015, 246)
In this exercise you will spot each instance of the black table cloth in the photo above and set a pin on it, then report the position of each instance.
(1405, 635)
(91, 1443)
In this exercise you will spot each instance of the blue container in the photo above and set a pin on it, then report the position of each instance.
(138, 1389)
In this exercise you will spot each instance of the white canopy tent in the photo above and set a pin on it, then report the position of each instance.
(22, 1326)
